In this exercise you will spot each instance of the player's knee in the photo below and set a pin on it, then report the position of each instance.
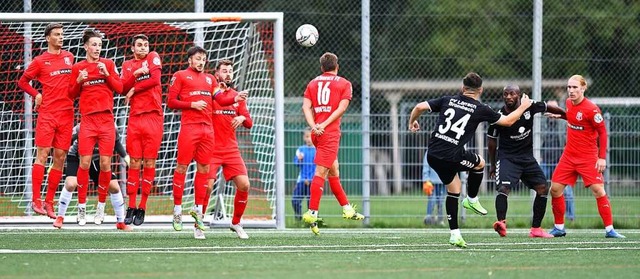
(321, 171)
(181, 168)
(541, 190)
(105, 163)
(114, 187)
(480, 166)
(503, 190)
(598, 190)
(556, 189)
(149, 163)
(70, 184)
(135, 163)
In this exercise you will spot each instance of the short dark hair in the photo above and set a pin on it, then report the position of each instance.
(224, 62)
(328, 62)
(472, 81)
(88, 34)
(51, 26)
(139, 36)
(194, 50)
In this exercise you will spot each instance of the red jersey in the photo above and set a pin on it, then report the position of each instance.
(585, 125)
(325, 93)
(148, 89)
(191, 86)
(96, 92)
(225, 135)
(53, 72)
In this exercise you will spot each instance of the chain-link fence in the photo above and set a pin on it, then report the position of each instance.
(421, 50)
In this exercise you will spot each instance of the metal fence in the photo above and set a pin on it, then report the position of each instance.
(420, 50)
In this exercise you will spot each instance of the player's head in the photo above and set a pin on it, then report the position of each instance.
(576, 85)
(306, 137)
(140, 46)
(53, 35)
(224, 72)
(472, 83)
(197, 58)
(329, 62)
(511, 96)
(92, 44)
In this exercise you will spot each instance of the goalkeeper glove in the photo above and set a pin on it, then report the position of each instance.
(427, 188)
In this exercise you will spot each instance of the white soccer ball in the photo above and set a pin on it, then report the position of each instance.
(307, 35)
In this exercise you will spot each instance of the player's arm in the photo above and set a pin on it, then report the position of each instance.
(418, 110)
(30, 74)
(75, 82)
(244, 112)
(512, 117)
(307, 110)
(128, 79)
(553, 109)
(174, 90)
(113, 79)
(601, 129)
(492, 145)
(336, 114)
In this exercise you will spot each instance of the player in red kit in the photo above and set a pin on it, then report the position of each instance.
(584, 155)
(141, 82)
(95, 80)
(325, 100)
(55, 114)
(191, 91)
(226, 153)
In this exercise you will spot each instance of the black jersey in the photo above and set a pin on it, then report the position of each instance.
(517, 140)
(459, 117)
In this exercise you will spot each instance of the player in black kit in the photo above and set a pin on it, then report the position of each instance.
(516, 162)
(459, 116)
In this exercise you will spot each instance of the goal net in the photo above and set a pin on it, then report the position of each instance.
(251, 44)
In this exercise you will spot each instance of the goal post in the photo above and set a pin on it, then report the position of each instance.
(254, 41)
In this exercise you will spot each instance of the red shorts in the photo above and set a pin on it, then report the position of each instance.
(54, 129)
(144, 135)
(97, 128)
(569, 168)
(326, 149)
(231, 163)
(195, 141)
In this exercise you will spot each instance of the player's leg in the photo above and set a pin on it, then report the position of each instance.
(134, 149)
(563, 175)
(213, 176)
(508, 173)
(87, 139)
(448, 173)
(151, 147)
(70, 184)
(475, 163)
(594, 181)
(44, 132)
(348, 211)
(240, 203)
(440, 193)
(185, 155)
(148, 177)
(117, 201)
(106, 144)
(94, 175)
(569, 204)
(199, 189)
(534, 178)
(60, 143)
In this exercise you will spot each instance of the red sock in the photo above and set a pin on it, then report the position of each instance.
(37, 175)
(148, 175)
(200, 187)
(207, 196)
(604, 208)
(83, 185)
(239, 205)
(178, 187)
(54, 179)
(103, 185)
(133, 182)
(558, 207)
(317, 187)
(338, 191)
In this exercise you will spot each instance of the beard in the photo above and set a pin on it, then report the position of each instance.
(229, 84)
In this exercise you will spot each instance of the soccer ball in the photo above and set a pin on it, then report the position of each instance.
(307, 35)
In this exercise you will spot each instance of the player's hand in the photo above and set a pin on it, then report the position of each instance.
(237, 121)
(141, 71)
(103, 69)
(82, 76)
(127, 98)
(127, 160)
(306, 182)
(427, 188)
(37, 102)
(199, 105)
(525, 101)
(492, 172)
(299, 154)
(318, 129)
(552, 115)
(414, 127)
(601, 165)
(222, 85)
(242, 96)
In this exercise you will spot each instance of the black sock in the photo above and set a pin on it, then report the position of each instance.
(539, 208)
(473, 183)
(501, 206)
(452, 209)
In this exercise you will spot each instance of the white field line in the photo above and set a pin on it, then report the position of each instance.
(269, 251)
(93, 229)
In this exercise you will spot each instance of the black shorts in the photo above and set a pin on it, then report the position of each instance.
(510, 171)
(447, 170)
(73, 163)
